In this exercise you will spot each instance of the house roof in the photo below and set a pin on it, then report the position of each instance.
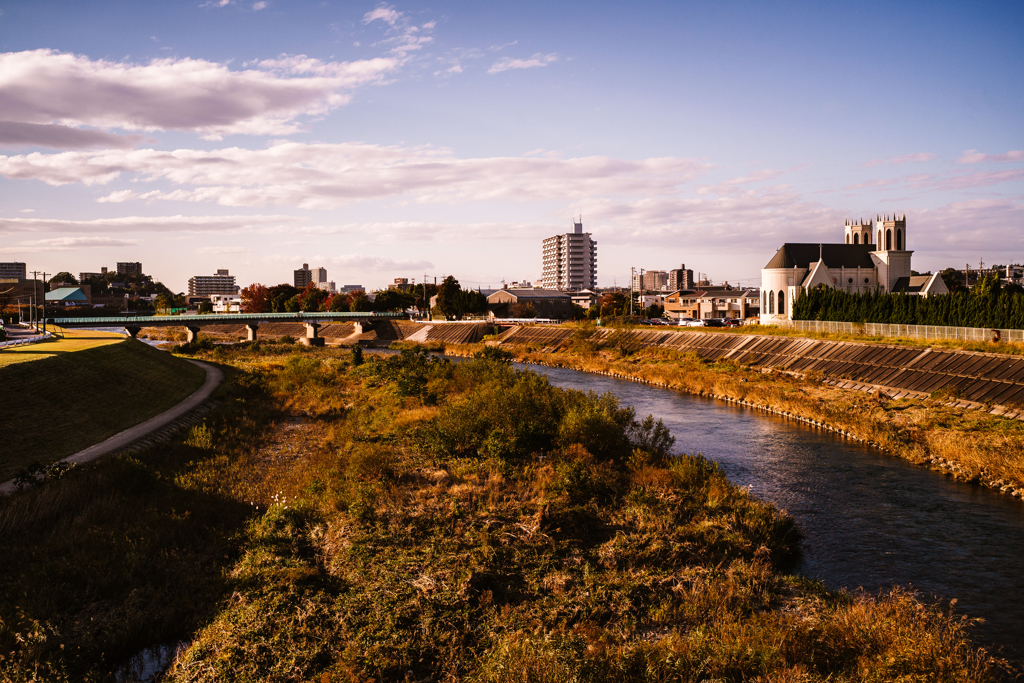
(535, 293)
(802, 255)
(67, 295)
(915, 284)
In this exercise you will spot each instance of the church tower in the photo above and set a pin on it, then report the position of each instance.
(859, 232)
(891, 254)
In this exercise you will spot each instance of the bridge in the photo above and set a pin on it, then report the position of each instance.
(192, 323)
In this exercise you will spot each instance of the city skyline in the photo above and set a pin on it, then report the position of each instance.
(389, 140)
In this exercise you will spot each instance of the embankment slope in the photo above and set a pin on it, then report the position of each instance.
(59, 405)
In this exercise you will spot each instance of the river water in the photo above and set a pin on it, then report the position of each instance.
(869, 520)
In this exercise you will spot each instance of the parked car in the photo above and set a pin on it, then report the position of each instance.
(713, 322)
(732, 322)
(683, 322)
(695, 323)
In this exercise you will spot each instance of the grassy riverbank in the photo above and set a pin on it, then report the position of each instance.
(970, 444)
(60, 404)
(408, 519)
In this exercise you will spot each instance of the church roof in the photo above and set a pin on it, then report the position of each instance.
(802, 255)
(914, 284)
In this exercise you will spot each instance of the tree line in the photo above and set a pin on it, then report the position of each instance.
(987, 304)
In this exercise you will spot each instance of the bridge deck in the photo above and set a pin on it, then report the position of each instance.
(214, 319)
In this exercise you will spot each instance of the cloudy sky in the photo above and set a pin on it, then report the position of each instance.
(397, 140)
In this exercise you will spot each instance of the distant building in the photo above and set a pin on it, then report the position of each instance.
(328, 286)
(680, 278)
(348, 289)
(68, 296)
(226, 303)
(205, 285)
(713, 302)
(84, 277)
(401, 284)
(650, 280)
(303, 276)
(584, 298)
(13, 270)
(570, 261)
(546, 303)
(129, 268)
(874, 257)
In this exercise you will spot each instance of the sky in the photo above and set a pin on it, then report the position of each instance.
(425, 139)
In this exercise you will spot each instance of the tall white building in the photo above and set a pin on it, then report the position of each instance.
(570, 261)
(205, 285)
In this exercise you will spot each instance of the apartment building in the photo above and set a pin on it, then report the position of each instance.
(713, 302)
(570, 261)
(129, 268)
(206, 285)
(13, 270)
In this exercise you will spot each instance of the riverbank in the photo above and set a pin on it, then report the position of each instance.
(411, 519)
(968, 444)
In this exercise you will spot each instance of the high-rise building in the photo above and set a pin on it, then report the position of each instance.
(680, 278)
(129, 268)
(570, 261)
(205, 285)
(303, 276)
(13, 270)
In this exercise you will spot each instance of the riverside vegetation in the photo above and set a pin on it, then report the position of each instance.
(404, 518)
(970, 444)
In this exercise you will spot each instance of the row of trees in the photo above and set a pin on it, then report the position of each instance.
(987, 304)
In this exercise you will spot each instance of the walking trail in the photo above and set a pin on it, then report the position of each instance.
(214, 376)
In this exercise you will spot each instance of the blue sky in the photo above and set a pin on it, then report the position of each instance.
(393, 140)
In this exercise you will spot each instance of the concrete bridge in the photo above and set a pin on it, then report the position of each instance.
(192, 323)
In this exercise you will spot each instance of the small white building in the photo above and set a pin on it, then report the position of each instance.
(226, 303)
(873, 257)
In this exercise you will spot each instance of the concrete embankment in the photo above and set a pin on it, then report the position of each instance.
(971, 379)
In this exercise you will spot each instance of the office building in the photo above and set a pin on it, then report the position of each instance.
(650, 280)
(570, 261)
(205, 285)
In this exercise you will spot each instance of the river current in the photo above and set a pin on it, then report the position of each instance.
(869, 520)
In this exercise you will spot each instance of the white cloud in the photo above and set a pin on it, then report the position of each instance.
(386, 14)
(506, 63)
(128, 224)
(901, 159)
(50, 88)
(216, 3)
(257, 6)
(376, 263)
(78, 242)
(973, 156)
(19, 134)
(331, 175)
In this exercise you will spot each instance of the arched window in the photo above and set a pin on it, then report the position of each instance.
(782, 303)
(764, 303)
(856, 238)
(888, 240)
(899, 239)
(879, 242)
(771, 304)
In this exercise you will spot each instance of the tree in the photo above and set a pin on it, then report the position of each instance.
(358, 302)
(164, 302)
(471, 301)
(448, 298)
(392, 300)
(292, 305)
(279, 295)
(205, 307)
(256, 299)
(338, 304)
(953, 279)
(64, 278)
(312, 298)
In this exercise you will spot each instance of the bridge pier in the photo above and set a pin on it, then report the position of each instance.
(132, 330)
(193, 334)
(250, 331)
(311, 338)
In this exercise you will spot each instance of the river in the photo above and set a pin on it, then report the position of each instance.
(869, 520)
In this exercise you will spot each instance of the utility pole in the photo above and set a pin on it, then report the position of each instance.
(34, 274)
(632, 275)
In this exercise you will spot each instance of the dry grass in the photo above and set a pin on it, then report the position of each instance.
(71, 341)
(342, 524)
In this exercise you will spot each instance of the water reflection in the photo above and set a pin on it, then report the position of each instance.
(869, 520)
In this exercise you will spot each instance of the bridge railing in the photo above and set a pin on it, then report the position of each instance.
(213, 319)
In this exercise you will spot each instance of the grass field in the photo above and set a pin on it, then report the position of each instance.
(73, 340)
(64, 402)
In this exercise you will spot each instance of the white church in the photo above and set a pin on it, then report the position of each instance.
(874, 256)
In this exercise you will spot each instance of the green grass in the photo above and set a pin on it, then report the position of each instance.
(69, 341)
(61, 404)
